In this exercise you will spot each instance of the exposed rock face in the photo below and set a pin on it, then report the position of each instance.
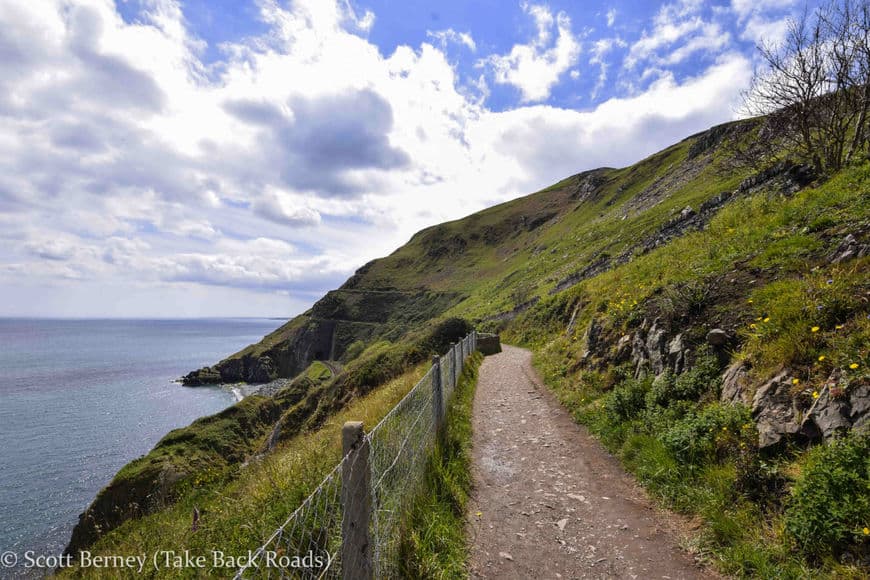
(774, 411)
(840, 407)
(676, 354)
(592, 338)
(623, 349)
(325, 332)
(849, 248)
(656, 341)
(735, 384)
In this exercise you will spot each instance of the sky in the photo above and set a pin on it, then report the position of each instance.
(240, 158)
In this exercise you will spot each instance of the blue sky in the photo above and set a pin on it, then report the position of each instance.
(200, 158)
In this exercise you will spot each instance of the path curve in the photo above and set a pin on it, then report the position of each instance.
(549, 501)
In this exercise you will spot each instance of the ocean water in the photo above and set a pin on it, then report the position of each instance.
(81, 398)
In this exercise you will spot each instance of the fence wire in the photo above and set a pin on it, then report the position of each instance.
(309, 544)
(399, 445)
(312, 531)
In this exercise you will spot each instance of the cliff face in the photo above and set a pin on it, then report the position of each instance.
(338, 320)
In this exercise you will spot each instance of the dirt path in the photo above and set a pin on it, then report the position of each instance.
(553, 502)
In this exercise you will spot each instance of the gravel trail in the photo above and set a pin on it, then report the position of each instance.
(549, 501)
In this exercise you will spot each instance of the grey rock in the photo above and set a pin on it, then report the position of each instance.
(717, 337)
(849, 248)
(735, 384)
(592, 338)
(774, 411)
(655, 348)
(488, 344)
(639, 356)
(676, 354)
(623, 349)
(687, 212)
(840, 407)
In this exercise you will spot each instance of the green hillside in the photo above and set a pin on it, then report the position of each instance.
(708, 320)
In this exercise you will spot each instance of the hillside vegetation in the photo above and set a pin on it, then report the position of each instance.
(707, 319)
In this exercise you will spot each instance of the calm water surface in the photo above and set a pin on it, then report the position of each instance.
(81, 398)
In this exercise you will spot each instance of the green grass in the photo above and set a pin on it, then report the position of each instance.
(239, 514)
(434, 544)
(317, 371)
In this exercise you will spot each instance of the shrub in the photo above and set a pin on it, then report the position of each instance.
(707, 435)
(689, 386)
(830, 502)
(627, 400)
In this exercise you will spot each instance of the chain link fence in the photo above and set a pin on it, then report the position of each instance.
(349, 526)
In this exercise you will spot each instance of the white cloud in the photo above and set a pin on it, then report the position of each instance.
(286, 208)
(763, 20)
(535, 68)
(678, 32)
(444, 37)
(599, 51)
(302, 155)
(746, 8)
(611, 16)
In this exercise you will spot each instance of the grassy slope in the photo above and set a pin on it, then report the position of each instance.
(237, 515)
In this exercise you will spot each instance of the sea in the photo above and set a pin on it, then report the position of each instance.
(81, 398)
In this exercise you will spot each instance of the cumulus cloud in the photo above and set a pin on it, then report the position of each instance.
(536, 67)
(262, 174)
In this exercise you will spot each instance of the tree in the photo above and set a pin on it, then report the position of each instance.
(814, 87)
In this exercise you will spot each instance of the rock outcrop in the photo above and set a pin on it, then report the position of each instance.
(735, 384)
(841, 406)
(775, 412)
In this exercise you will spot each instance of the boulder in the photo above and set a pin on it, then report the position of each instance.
(488, 344)
(717, 337)
(840, 407)
(773, 409)
(735, 384)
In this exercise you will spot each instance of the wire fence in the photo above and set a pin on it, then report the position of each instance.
(367, 493)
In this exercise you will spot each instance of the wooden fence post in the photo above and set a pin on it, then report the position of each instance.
(356, 502)
(453, 373)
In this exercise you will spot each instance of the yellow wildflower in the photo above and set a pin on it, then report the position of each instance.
(815, 394)
(750, 300)
(795, 381)
(766, 319)
(753, 326)
(821, 358)
(853, 366)
(866, 531)
(814, 329)
(839, 327)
